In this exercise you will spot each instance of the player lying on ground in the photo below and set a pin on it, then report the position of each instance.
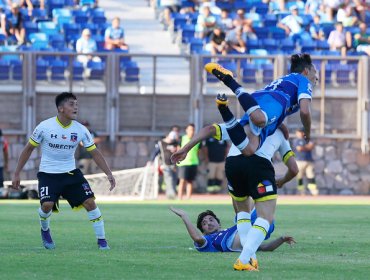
(254, 177)
(212, 238)
(59, 138)
(266, 109)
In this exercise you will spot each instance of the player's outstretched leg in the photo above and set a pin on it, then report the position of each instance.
(234, 128)
(247, 101)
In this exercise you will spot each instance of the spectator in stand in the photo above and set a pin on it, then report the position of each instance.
(362, 39)
(305, 162)
(316, 30)
(332, 7)
(12, 24)
(235, 40)
(312, 6)
(86, 45)
(206, 23)
(226, 22)
(248, 31)
(3, 158)
(240, 18)
(216, 152)
(22, 4)
(339, 40)
(208, 3)
(346, 15)
(361, 6)
(114, 36)
(187, 168)
(324, 18)
(169, 7)
(217, 43)
(292, 24)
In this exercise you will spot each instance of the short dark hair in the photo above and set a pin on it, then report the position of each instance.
(63, 97)
(299, 62)
(201, 217)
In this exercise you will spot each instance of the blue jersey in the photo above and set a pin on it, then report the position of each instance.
(280, 99)
(221, 241)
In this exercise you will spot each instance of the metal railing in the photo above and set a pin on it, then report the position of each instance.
(174, 89)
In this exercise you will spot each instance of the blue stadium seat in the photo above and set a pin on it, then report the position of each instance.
(72, 32)
(270, 20)
(277, 33)
(97, 70)
(259, 61)
(41, 69)
(267, 73)
(196, 45)
(57, 41)
(262, 32)
(249, 73)
(30, 27)
(39, 40)
(54, 4)
(81, 19)
(343, 74)
(253, 44)
(132, 71)
(225, 5)
(4, 70)
(322, 45)
(240, 4)
(287, 45)
(187, 33)
(308, 46)
(77, 71)
(269, 44)
(261, 8)
(57, 69)
(327, 28)
(17, 69)
(179, 20)
(62, 16)
(91, 26)
(48, 27)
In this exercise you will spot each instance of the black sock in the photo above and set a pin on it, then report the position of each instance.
(225, 113)
(230, 82)
(247, 101)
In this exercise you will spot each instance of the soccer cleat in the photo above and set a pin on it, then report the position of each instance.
(47, 240)
(238, 265)
(254, 263)
(103, 244)
(221, 100)
(217, 70)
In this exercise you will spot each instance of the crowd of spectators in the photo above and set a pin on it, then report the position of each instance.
(227, 26)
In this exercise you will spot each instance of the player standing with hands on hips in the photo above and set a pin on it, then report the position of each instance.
(58, 138)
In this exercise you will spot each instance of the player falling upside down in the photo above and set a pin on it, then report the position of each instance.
(266, 109)
(215, 239)
(254, 177)
(58, 138)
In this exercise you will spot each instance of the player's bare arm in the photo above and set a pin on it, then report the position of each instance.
(305, 114)
(290, 173)
(102, 164)
(274, 244)
(24, 156)
(203, 134)
(192, 230)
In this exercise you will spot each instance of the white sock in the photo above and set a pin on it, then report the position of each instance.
(44, 219)
(98, 222)
(254, 239)
(243, 224)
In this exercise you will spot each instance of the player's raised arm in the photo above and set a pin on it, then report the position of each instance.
(192, 230)
(24, 156)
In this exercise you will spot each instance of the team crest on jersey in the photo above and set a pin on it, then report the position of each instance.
(264, 187)
(64, 137)
(73, 137)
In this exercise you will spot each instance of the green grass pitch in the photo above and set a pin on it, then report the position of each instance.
(150, 242)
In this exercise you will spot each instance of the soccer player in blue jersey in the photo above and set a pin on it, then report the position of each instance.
(254, 177)
(58, 138)
(212, 238)
(266, 109)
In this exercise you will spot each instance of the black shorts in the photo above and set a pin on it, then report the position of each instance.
(71, 185)
(250, 176)
(187, 172)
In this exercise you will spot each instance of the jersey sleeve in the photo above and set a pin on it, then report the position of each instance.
(304, 88)
(203, 248)
(88, 140)
(37, 135)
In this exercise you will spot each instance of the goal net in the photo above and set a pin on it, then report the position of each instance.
(131, 184)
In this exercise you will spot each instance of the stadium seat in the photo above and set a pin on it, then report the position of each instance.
(196, 45)
(47, 57)
(225, 5)
(54, 4)
(262, 32)
(92, 27)
(4, 70)
(287, 45)
(72, 32)
(30, 27)
(39, 14)
(308, 46)
(48, 27)
(267, 73)
(178, 21)
(57, 69)
(41, 69)
(249, 73)
(322, 45)
(253, 44)
(62, 16)
(259, 61)
(17, 70)
(132, 71)
(343, 74)
(270, 20)
(269, 44)
(2, 39)
(77, 71)
(57, 41)
(240, 4)
(39, 40)
(187, 33)
(261, 8)
(97, 70)
(277, 33)
(81, 18)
